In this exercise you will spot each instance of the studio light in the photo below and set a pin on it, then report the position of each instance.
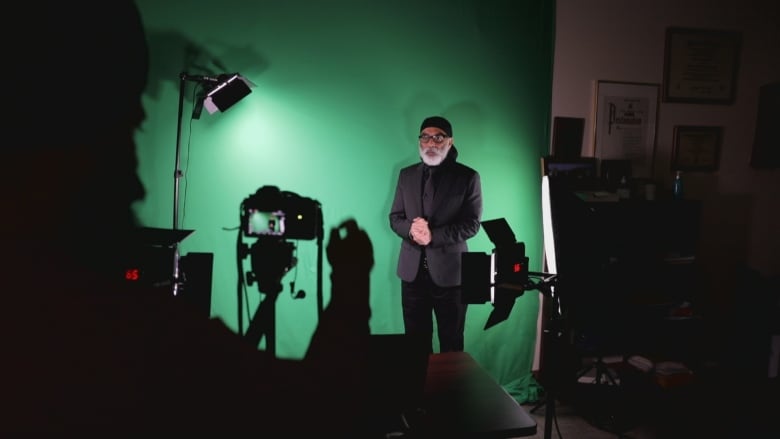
(227, 92)
(217, 93)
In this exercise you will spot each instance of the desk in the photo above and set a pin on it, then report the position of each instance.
(462, 400)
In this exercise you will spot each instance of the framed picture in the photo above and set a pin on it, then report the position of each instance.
(625, 124)
(700, 65)
(696, 148)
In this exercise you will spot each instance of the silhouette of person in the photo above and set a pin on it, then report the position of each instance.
(82, 351)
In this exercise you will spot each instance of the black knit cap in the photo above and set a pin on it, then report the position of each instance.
(437, 122)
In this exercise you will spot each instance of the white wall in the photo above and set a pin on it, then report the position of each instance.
(624, 41)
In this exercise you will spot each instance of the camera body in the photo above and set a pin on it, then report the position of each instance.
(270, 212)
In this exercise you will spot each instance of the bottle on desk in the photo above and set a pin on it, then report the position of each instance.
(677, 186)
(623, 191)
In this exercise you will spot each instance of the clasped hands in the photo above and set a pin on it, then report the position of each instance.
(419, 232)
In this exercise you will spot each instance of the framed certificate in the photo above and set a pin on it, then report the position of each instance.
(696, 148)
(700, 65)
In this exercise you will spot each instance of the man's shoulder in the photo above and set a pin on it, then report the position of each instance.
(460, 168)
(410, 168)
(452, 167)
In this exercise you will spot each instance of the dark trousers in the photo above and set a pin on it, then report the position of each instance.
(422, 299)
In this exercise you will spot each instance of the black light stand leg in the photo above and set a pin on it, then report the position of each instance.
(552, 333)
(549, 415)
(549, 399)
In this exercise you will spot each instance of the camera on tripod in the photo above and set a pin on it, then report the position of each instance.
(277, 220)
(274, 217)
(270, 212)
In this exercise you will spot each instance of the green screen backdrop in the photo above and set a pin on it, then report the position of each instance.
(340, 90)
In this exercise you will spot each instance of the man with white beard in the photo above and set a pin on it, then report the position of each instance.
(436, 208)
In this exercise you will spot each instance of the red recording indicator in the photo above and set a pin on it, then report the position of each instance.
(133, 274)
(517, 267)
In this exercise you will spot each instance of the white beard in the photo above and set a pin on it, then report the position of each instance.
(434, 156)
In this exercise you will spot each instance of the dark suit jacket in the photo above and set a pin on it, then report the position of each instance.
(457, 207)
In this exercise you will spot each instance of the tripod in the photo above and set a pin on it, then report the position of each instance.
(604, 374)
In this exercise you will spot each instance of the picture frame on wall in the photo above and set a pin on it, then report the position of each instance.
(696, 148)
(701, 65)
(625, 122)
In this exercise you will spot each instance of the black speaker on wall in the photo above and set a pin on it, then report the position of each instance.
(567, 137)
(766, 144)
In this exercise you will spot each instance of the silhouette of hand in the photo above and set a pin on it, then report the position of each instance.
(349, 249)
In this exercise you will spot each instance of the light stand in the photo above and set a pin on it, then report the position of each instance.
(552, 334)
(553, 331)
(502, 277)
(222, 92)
